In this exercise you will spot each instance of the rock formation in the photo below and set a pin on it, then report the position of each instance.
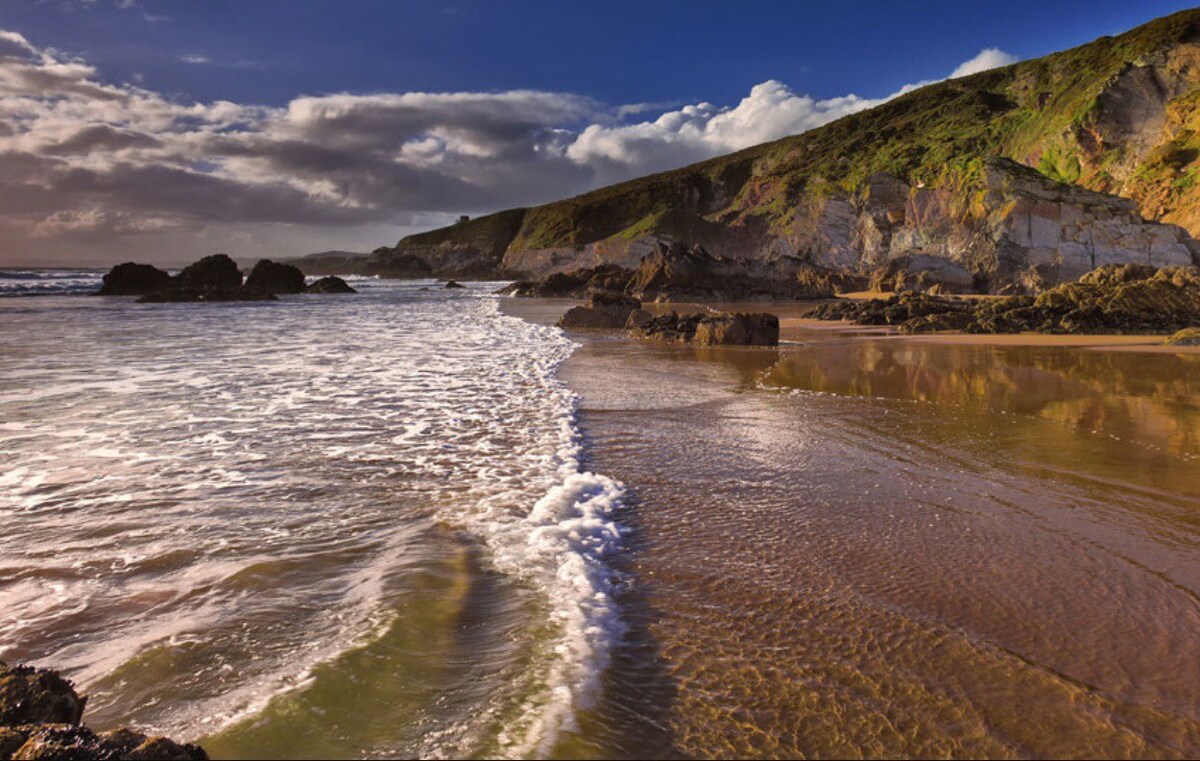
(715, 329)
(604, 309)
(275, 277)
(217, 272)
(130, 279)
(39, 720)
(1110, 299)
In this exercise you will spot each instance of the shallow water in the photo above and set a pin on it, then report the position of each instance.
(859, 547)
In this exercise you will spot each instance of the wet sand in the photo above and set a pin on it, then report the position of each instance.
(862, 545)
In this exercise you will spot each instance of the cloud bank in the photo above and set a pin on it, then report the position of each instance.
(95, 170)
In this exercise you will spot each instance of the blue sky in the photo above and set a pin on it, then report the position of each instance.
(277, 128)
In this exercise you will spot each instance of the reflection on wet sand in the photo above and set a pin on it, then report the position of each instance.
(875, 547)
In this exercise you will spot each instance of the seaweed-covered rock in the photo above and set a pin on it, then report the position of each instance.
(36, 696)
(331, 284)
(131, 279)
(719, 329)
(275, 277)
(604, 309)
(217, 271)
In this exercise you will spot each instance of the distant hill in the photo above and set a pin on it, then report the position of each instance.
(1007, 173)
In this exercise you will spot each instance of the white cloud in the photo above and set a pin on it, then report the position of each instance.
(113, 168)
(988, 58)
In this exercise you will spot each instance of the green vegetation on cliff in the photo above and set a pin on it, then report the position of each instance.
(1088, 116)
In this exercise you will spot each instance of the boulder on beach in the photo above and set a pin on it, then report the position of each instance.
(275, 277)
(604, 309)
(131, 279)
(216, 271)
(331, 284)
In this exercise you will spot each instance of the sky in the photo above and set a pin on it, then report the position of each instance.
(162, 131)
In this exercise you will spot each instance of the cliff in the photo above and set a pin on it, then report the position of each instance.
(1019, 177)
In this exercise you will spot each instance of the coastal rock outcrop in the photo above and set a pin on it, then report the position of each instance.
(715, 329)
(39, 720)
(330, 284)
(1112, 299)
(604, 309)
(131, 279)
(275, 277)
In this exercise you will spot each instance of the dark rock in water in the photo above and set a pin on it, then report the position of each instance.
(718, 329)
(275, 277)
(37, 696)
(39, 719)
(72, 742)
(454, 284)
(1185, 337)
(604, 309)
(130, 279)
(573, 285)
(331, 284)
(208, 293)
(216, 271)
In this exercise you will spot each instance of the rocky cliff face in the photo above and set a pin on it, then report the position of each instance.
(1008, 179)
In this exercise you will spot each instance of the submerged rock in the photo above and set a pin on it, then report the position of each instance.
(718, 329)
(604, 309)
(131, 279)
(217, 271)
(454, 284)
(331, 284)
(275, 277)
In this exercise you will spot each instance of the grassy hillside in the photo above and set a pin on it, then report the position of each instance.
(1079, 116)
